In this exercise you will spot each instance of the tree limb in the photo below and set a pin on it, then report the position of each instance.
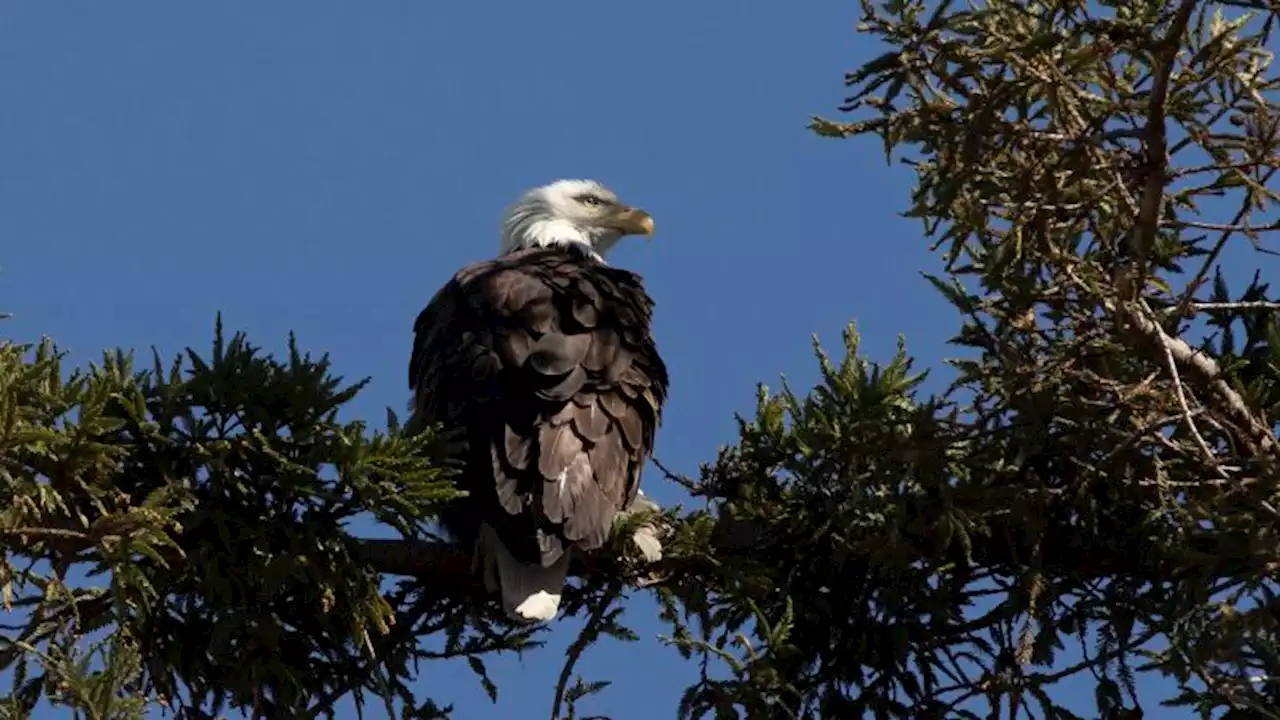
(1061, 556)
(1148, 220)
(1206, 370)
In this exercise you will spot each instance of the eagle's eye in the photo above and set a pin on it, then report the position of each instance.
(590, 200)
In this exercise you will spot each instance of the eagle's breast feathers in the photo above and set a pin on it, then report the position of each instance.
(544, 360)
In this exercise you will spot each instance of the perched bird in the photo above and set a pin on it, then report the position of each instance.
(543, 362)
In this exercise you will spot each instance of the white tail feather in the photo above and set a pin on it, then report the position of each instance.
(530, 593)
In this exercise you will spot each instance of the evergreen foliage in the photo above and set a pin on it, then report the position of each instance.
(1095, 494)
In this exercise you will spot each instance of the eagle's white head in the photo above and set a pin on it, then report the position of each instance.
(580, 214)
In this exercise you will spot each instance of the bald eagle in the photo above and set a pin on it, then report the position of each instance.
(543, 362)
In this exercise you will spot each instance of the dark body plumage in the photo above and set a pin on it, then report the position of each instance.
(544, 362)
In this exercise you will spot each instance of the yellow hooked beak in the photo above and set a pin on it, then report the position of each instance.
(632, 221)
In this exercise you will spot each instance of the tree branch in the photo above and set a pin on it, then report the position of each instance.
(29, 533)
(589, 633)
(1187, 415)
(447, 564)
(1221, 227)
(1154, 139)
(1209, 261)
(1197, 307)
(413, 558)
(1206, 370)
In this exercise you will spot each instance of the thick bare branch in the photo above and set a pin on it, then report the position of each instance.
(1206, 371)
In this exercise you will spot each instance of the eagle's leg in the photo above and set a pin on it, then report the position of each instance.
(485, 564)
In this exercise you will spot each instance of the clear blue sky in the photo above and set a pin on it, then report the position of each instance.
(324, 166)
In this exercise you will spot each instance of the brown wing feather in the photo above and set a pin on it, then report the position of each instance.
(547, 362)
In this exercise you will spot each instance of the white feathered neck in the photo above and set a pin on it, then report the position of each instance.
(544, 218)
